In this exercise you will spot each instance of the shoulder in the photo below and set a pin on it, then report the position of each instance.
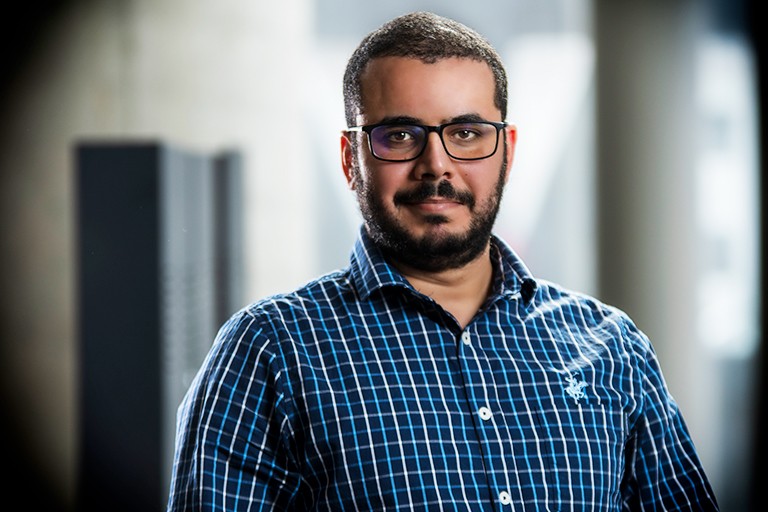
(584, 311)
(309, 299)
(262, 333)
(285, 315)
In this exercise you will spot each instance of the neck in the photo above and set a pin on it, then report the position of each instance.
(460, 291)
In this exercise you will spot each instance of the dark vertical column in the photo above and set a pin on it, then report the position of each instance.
(228, 233)
(119, 321)
(149, 298)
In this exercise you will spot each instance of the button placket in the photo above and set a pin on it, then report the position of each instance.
(475, 365)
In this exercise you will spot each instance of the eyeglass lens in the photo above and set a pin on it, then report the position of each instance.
(466, 141)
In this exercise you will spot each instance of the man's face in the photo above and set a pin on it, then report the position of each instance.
(434, 212)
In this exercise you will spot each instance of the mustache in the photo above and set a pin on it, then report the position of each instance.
(427, 190)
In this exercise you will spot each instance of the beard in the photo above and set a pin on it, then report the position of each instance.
(434, 251)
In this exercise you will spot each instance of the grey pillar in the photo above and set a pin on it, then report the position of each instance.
(647, 128)
(646, 158)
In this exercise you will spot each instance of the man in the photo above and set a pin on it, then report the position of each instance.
(434, 373)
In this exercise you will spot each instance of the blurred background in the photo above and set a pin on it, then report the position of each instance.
(637, 179)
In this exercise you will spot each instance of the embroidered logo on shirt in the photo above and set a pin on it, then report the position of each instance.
(575, 388)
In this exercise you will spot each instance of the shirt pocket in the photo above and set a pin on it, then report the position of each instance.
(582, 442)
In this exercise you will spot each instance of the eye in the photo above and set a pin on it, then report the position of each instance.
(465, 132)
(398, 134)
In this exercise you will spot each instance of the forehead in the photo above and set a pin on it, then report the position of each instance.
(430, 92)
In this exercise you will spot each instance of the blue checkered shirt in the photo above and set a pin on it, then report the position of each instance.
(356, 392)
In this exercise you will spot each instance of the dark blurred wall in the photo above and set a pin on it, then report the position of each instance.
(755, 24)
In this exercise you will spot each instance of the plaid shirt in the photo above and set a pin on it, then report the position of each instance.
(356, 392)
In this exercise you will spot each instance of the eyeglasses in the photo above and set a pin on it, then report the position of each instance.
(401, 142)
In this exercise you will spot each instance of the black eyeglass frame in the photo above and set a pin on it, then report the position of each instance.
(368, 128)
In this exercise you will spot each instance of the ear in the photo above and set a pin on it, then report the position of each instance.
(510, 134)
(348, 159)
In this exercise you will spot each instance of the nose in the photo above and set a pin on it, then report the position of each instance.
(434, 162)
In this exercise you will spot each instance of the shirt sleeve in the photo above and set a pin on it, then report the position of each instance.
(663, 469)
(233, 435)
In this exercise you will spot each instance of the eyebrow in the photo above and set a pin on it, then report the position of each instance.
(400, 120)
(462, 118)
(467, 118)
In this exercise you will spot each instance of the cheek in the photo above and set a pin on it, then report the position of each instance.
(384, 183)
(384, 180)
(482, 182)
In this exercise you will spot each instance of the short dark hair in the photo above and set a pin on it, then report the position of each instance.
(429, 38)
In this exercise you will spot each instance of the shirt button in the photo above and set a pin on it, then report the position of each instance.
(466, 338)
(505, 498)
(485, 413)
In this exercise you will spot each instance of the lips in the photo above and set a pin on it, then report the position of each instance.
(435, 205)
(435, 201)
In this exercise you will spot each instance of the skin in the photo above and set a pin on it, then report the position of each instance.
(432, 94)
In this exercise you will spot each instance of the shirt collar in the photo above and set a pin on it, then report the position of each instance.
(371, 272)
(512, 275)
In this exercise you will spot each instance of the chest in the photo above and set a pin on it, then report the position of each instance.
(491, 412)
